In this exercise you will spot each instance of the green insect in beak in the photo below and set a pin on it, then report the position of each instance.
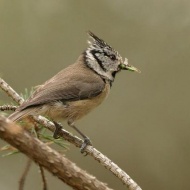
(126, 66)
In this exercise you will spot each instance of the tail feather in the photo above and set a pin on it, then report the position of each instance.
(17, 115)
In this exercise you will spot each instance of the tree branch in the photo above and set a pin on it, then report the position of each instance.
(23, 177)
(124, 177)
(48, 158)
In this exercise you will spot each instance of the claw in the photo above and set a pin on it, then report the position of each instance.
(58, 127)
(85, 143)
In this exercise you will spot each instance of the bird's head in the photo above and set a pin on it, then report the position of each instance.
(104, 60)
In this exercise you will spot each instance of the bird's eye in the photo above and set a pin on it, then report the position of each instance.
(112, 57)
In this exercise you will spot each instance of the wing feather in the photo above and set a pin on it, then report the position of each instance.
(67, 86)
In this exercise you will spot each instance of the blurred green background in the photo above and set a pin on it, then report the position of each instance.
(144, 125)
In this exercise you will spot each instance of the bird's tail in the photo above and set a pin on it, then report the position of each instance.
(17, 115)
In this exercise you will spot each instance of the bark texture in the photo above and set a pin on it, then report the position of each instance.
(50, 159)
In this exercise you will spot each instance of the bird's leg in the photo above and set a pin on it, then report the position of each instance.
(86, 141)
(58, 127)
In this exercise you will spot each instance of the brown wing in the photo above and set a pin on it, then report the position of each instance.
(68, 85)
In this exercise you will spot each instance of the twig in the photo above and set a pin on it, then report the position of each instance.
(8, 108)
(124, 177)
(23, 177)
(14, 95)
(106, 162)
(44, 182)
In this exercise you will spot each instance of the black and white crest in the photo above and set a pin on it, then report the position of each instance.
(97, 41)
(102, 58)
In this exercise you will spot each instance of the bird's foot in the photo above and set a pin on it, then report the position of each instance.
(58, 127)
(85, 143)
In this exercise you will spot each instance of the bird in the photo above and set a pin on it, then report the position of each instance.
(77, 89)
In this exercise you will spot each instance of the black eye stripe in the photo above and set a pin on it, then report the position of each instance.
(112, 56)
(94, 52)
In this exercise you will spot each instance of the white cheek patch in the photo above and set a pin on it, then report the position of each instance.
(97, 54)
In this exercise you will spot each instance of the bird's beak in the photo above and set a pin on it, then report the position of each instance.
(126, 66)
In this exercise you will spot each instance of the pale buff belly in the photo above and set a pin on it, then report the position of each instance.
(74, 110)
